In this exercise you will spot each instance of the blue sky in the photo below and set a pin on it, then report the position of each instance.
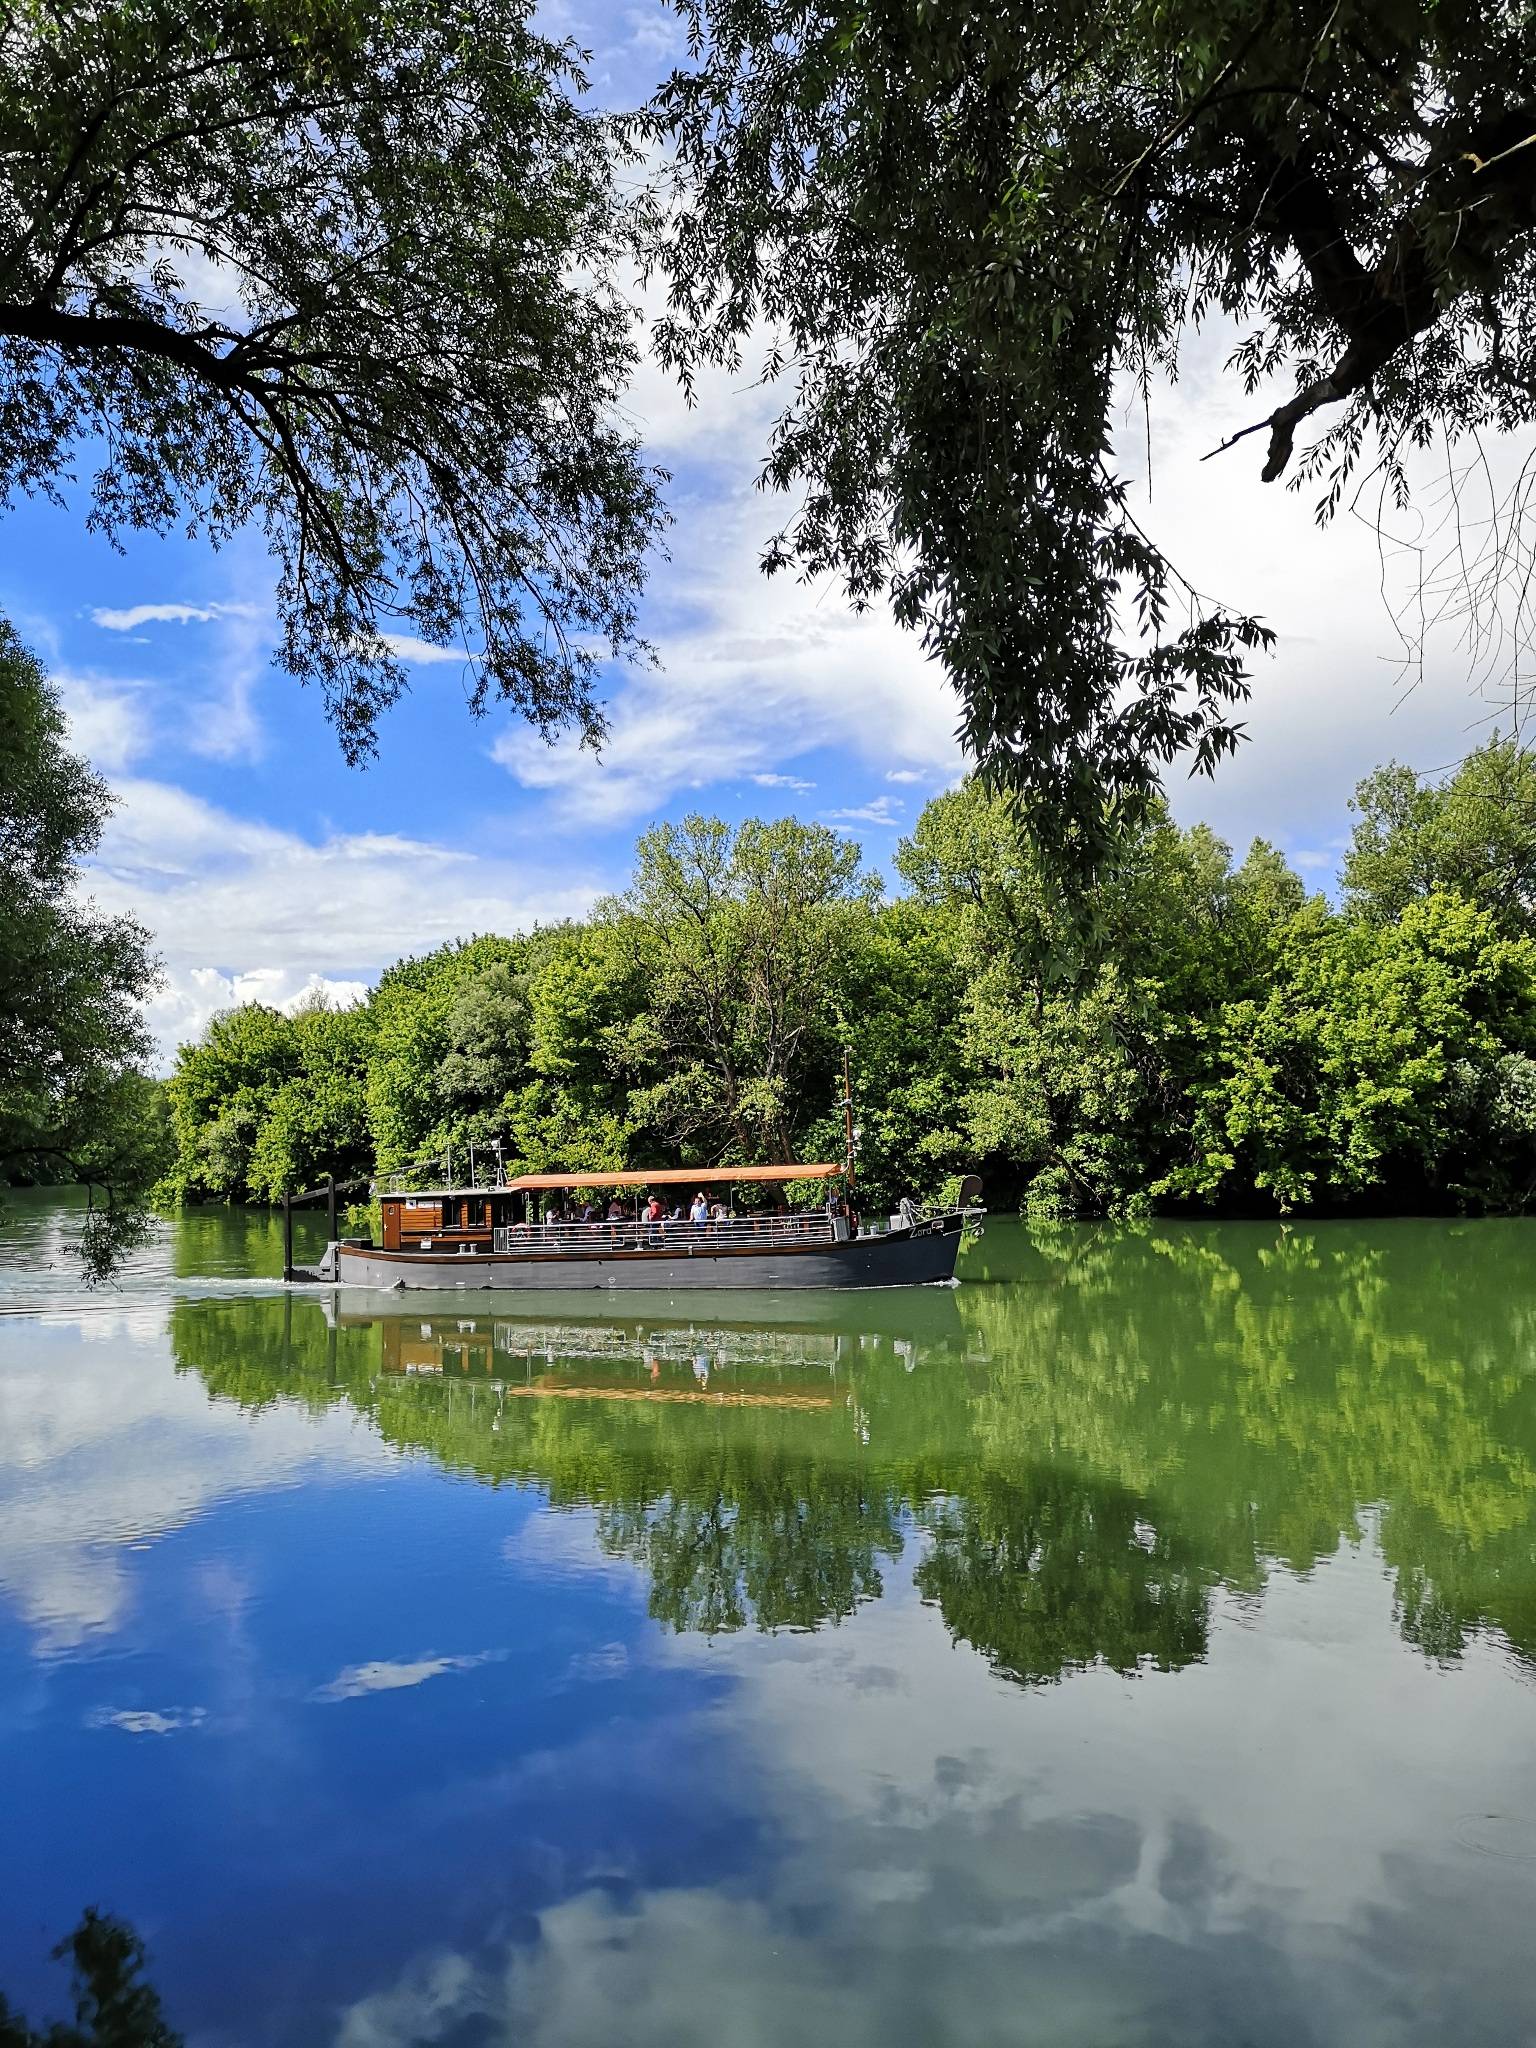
(264, 866)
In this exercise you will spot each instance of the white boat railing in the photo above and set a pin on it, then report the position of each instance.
(411, 1180)
(683, 1238)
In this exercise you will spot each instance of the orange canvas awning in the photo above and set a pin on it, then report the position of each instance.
(670, 1176)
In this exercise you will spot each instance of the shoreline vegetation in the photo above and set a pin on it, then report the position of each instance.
(1201, 1036)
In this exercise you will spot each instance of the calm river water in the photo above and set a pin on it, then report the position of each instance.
(1135, 1645)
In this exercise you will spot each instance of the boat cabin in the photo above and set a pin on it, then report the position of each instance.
(472, 1219)
(447, 1219)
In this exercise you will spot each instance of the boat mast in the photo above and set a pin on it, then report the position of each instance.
(848, 1109)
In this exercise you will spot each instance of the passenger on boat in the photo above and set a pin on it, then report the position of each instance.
(591, 1213)
(654, 1213)
(719, 1213)
(699, 1213)
(616, 1211)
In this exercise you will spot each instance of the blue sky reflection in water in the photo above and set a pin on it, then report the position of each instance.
(1135, 1646)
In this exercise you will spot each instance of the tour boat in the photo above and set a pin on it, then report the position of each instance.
(491, 1237)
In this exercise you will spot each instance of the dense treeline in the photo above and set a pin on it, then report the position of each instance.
(1205, 1034)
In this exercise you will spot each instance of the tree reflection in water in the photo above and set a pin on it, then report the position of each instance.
(114, 2006)
(1082, 1442)
(1046, 1573)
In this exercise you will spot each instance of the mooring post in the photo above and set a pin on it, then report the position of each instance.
(287, 1236)
(330, 1208)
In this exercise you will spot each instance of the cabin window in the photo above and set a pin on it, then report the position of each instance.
(421, 1215)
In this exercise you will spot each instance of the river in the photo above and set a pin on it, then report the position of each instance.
(1133, 1645)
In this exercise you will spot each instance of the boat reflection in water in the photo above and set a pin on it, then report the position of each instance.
(793, 1363)
(768, 1473)
(1078, 1449)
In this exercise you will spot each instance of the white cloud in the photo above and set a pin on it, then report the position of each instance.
(107, 719)
(380, 1675)
(243, 911)
(321, 990)
(758, 671)
(956, 1857)
(104, 1450)
(407, 647)
(879, 811)
(1329, 705)
(225, 725)
(793, 782)
(656, 35)
(149, 1720)
(205, 990)
(213, 709)
(612, 1660)
(129, 617)
(1331, 702)
(732, 411)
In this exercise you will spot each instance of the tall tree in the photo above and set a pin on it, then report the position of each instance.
(1474, 832)
(337, 270)
(742, 942)
(74, 1101)
(1395, 1055)
(1082, 1034)
(963, 229)
(222, 1095)
(421, 1032)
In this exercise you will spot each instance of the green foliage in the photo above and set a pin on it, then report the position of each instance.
(1196, 1031)
(742, 943)
(1081, 1023)
(74, 1103)
(417, 1032)
(970, 230)
(1475, 834)
(345, 272)
(1377, 1058)
(265, 1102)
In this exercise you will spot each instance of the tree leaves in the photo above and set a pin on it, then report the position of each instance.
(966, 233)
(74, 1105)
(343, 272)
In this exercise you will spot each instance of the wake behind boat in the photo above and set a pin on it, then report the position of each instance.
(493, 1237)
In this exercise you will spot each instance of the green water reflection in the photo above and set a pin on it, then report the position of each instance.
(1092, 1435)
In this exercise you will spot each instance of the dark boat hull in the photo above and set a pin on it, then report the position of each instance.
(922, 1256)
